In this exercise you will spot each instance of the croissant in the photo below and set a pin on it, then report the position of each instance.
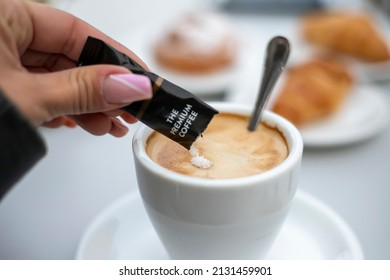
(313, 89)
(353, 34)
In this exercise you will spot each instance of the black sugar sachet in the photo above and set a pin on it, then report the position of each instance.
(172, 111)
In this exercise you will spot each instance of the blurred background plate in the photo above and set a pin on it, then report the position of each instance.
(183, 33)
(364, 114)
(205, 85)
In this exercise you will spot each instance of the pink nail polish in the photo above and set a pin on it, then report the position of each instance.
(119, 124)
(126, 88)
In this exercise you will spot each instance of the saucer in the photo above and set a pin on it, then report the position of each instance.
(312, 231)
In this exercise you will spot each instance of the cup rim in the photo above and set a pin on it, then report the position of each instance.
(289, 131)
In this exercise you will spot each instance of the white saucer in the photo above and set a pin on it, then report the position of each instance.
(312, 231)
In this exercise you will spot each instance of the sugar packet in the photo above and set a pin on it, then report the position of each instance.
(172, 111)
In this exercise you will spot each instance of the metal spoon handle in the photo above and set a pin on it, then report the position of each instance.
(278, 50)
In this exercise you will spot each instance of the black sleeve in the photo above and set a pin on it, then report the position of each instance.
(20, 145)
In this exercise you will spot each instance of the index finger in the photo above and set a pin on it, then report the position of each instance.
(56, 31)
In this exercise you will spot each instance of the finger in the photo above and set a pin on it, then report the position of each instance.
(91, 89)
(123, 114)
(69, 123)
(100, 124)
(96, 123)
(118, 129)
(114, 113)
(60, 32)
(129, 118)
(57, 122)
(49, 61)
(82, 90)
(60, 121)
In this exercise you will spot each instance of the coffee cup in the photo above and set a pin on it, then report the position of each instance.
(233, 217)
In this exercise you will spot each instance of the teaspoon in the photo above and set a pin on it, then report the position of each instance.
(278, 50)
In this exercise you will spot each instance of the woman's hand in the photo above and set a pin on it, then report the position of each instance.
(39, 47)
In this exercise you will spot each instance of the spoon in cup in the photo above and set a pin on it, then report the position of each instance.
(278, 51)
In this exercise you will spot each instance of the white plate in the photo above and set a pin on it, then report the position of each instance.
(202, 84)
(363, 115)
(312, 231)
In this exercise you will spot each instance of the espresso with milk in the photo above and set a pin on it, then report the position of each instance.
(227, 147)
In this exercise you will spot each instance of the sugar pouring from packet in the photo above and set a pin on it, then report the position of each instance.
(172, 111)
(278, 51)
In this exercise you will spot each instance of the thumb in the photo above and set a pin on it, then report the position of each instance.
(91, 89)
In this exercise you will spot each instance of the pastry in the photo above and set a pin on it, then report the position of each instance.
(312, 90)
(353, 34)
(199, 43)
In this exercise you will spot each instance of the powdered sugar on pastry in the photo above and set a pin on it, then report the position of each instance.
(197, 43)
(203, 32)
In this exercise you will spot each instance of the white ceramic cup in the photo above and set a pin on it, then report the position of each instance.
(237, 218)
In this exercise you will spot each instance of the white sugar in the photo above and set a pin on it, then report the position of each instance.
(198, 160)
(201, 162)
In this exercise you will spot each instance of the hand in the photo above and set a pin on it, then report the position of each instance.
(39, 47)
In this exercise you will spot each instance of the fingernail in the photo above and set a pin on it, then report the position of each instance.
(120, 125)
(69, 123)
(126, 88)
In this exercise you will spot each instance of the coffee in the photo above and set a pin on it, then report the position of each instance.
(232, 150)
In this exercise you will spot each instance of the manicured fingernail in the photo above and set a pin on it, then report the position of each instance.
(120, 125)
(126, 88)
(69, 123)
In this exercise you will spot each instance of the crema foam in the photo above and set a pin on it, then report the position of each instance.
(231, 149)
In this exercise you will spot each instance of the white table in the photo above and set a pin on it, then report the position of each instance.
(45, 215)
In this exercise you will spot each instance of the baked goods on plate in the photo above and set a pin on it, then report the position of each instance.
(313, 89)
(351, 33)
(198, 43)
